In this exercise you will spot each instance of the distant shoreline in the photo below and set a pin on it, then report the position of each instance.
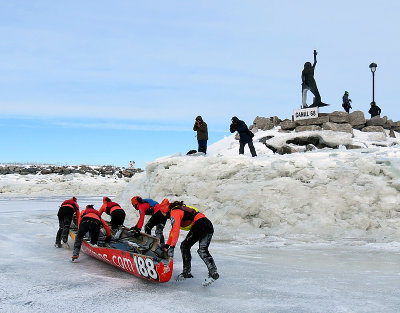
(45, 169)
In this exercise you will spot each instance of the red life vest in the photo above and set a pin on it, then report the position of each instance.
(89, 212)
(110, 205)
(71, 203)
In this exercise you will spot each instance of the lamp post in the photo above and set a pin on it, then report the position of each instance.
(373, 67)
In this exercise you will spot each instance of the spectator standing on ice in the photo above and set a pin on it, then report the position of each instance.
(374, 110)
(65, 214)
(246, 136)
(200, 230)
(346, 102)
(202, 134)
(115, 211)
(89, 221)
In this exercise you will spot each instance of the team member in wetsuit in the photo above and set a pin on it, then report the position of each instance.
(89, 221)
(145, 207)
(200, 230)
(65, 214)
(115, 211)
(158, 219)
(308, 83)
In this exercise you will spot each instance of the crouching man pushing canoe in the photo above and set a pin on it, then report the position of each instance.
(89, 221)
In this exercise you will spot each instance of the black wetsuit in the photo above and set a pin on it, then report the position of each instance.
(158, 220)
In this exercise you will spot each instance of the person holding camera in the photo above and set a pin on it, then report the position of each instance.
(246, 136)
(202, 134)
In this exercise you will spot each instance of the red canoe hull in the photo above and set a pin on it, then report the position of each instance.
(142, 266)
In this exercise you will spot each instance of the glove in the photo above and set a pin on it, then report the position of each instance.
(135, 229)
(108, 239)
(170, 252)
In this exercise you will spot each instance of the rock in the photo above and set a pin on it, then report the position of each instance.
(310, 147)
(288, 125)
(359, 127)
(253, 129)
(388, 124)
(313, 121)
(346, 128)
(392, 134)
(307, 128)
(264, 139)
(396, 126)
(31, 170)
(373, 129)
(304, 141)
(285, 149)
(339, 117)
(66, 170)
(275, 120)
(357, 118)
(272, 148)
(127, 173)
(263, 123)
(349, 147)
(376, 121)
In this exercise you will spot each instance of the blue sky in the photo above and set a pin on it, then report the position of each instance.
(101, 82)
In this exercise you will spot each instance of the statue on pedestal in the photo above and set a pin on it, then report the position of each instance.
(309, 84)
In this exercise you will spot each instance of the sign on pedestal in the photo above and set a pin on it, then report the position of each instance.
(306, 113)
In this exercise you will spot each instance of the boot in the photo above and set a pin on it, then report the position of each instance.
(75, 254)
(183, 276)
(210, 279)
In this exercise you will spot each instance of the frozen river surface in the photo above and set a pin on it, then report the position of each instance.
(36, 277)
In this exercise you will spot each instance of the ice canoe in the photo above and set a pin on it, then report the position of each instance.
(139, 255)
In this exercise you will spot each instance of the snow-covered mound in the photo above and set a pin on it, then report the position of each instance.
(327, 194)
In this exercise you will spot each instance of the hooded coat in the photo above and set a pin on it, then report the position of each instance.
(242, 129)
(201, 128)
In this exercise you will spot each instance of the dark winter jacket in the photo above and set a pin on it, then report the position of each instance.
(346, 98)
(374, 110)
(241, 128)
(201, 128)
(346, 102)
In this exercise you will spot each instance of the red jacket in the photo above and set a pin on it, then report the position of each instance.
(72, 204)
(142, 208)
(181, 219)
(93, 213)
(109, 207)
